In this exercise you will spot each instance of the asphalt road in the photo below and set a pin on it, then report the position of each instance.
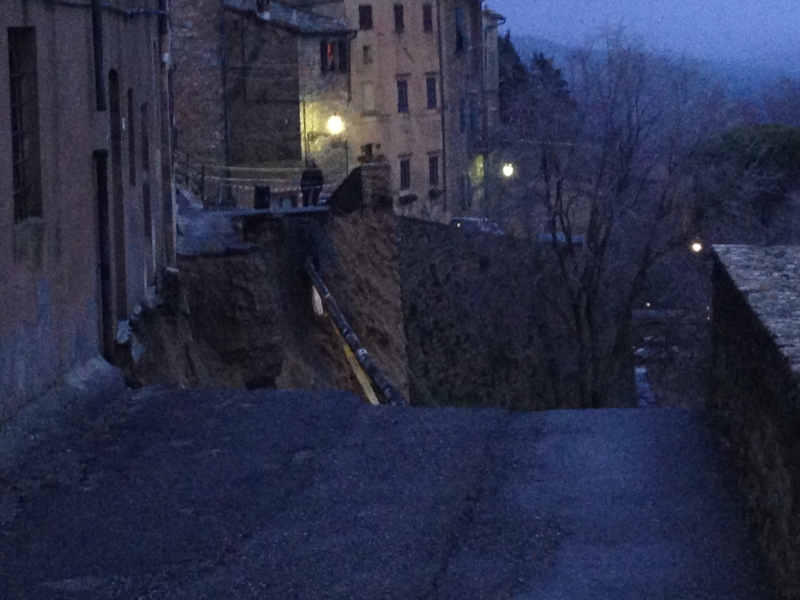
(295, 495)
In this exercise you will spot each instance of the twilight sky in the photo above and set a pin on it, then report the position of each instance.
(752, 31)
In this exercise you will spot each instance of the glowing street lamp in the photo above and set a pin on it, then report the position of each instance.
(335, 125)
(696, 247)
(508, 170)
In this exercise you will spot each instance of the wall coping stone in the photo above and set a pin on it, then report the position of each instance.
(769, 279)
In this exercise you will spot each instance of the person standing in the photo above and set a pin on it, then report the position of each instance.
(311, 183)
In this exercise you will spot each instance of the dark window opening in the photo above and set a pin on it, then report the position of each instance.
(427, 18)
(365, 16)
(473, 117)
(433, 171)
(430, 88)
(402, 96)
(25, 151)
(368, 55)
(131, 140)
(399, 18)
(405, 173)
(462, 42)
(333, 56)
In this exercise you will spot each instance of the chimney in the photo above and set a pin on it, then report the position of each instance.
(262, 8)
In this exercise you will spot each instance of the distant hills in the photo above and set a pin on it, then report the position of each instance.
(742, 80)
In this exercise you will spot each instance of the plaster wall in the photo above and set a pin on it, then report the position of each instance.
(49, 282)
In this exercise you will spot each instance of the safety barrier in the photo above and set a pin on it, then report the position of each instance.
(389, 391)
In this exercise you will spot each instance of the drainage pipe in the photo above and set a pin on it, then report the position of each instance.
(387, 388)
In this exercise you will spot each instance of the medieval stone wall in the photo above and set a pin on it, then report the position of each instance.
(756, 392)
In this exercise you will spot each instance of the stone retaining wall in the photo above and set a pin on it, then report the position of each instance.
(756, 392)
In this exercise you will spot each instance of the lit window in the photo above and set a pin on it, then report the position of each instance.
(402, 95)
(333, 56)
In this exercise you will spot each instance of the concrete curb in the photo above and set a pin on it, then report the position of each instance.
(85, 388)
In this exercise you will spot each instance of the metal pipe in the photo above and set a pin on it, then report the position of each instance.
(387, 388)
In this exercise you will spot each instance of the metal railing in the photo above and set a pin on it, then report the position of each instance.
(388, 390)
(222, 187)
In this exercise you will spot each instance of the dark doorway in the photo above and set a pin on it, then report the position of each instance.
(147, 207)
(104, 254)
(118, 191)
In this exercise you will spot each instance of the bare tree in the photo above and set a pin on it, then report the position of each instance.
(605, 157)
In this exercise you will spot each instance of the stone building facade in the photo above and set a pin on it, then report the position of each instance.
(250, 90)
(425, 89)
(86, 209)
(414, 84)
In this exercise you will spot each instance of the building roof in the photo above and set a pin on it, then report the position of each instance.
(291, 18)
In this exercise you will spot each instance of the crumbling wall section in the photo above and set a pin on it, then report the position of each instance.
(220, 326)
(361, 266)
(755, 394)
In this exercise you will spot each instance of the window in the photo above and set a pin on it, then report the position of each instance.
(365, 16)
(433, 171)
(473, 117)
(462, 41)
(333, 56)
(399, 18)
(24, 92)
(430, 88)
(368, 96)
(405, 173)
(368, 55)
(427, 18)
(402, 95)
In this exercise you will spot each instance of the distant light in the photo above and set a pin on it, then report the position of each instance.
(508, 170)
(697, 247)
(647, 305)
(335, 125)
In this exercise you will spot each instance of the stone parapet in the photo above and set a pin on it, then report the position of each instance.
(755, 394)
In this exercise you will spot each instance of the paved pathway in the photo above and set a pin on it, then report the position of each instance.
(292, 495)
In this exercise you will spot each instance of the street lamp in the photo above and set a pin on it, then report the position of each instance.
(335, 125)
(696, 247)
(508, 170)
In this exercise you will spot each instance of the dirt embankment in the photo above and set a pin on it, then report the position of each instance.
(244, 319)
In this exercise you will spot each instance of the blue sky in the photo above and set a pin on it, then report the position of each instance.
(752, 31)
